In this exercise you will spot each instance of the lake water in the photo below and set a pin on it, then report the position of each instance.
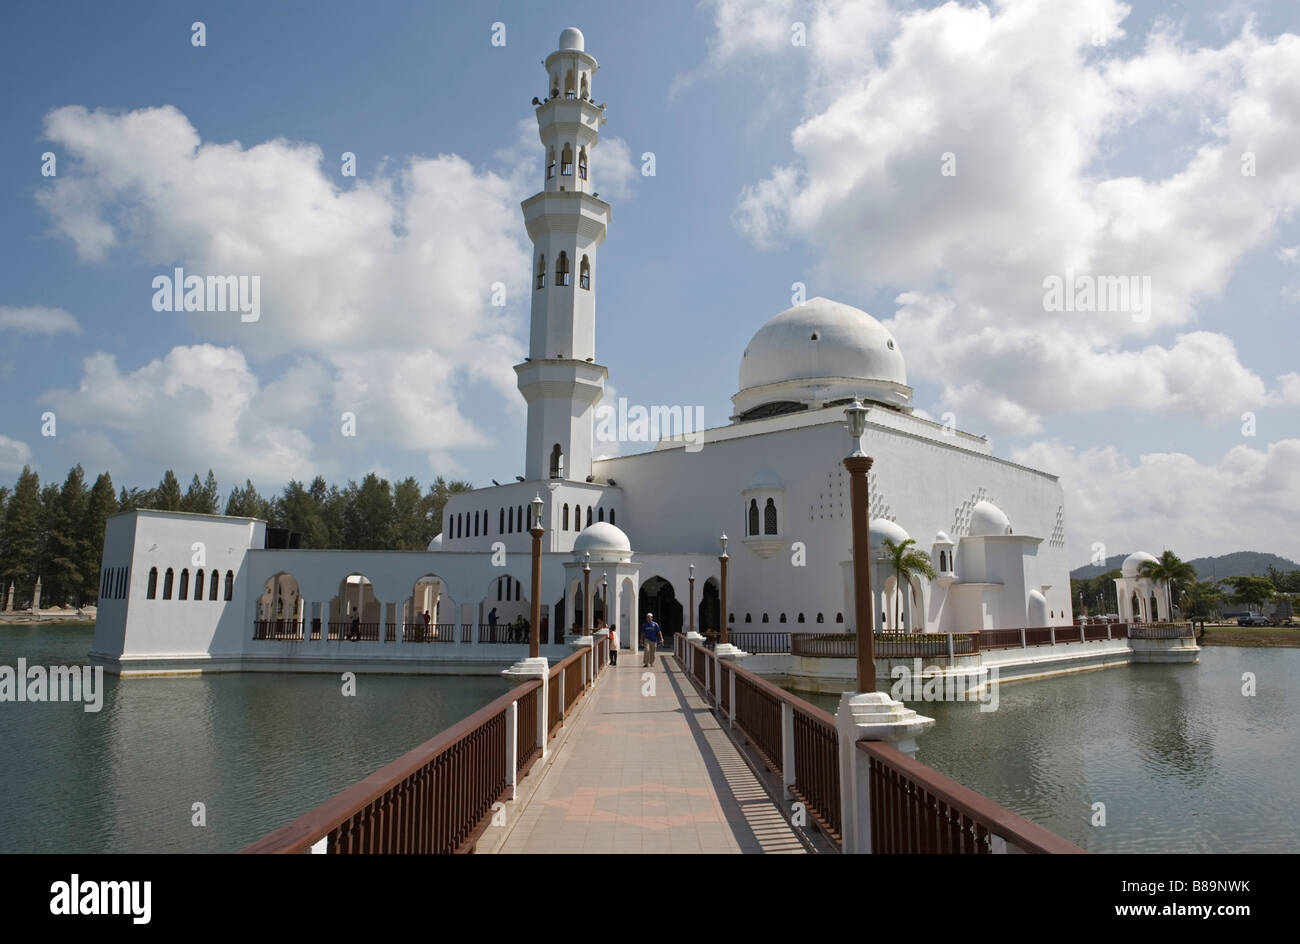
(1182, 760)
(257, 749)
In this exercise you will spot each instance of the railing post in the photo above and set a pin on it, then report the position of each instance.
(559, 702)
(731, 699)
(543, 709)
(1023, 644)
(1108, 633)
(1083, 637)
(1052, 632)
(787, 746)
(952, 658)
(512, 750)
(717, 681)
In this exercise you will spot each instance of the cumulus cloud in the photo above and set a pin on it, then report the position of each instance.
(37, 320)
(388, 291)
(13, 454)
(1171, 500)
(1027, 105)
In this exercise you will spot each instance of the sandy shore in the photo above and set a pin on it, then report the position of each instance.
(54, 614)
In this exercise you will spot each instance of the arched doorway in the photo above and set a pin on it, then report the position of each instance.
(708, 612)
(279, 608)
(354, 613)
(658, 597)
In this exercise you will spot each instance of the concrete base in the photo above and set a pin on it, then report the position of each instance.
(526, 669)
(576, 641)
(726, 650)
(874, 716)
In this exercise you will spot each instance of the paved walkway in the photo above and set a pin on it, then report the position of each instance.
(644, 773)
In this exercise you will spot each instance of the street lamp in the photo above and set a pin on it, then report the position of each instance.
(722, 618)
(858, 465)
(586, 593)
(692, 598)
(534, 633)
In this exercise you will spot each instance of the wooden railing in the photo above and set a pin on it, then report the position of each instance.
(760, 643)
(887, 645)
(1161, 631)
(912, 807)
(364, 632)
(277, 629)
(439, 797)
(915, 809)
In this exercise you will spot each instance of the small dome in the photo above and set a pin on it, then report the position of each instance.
(764, 478)
(435, 544)
(604, 541)
(1134, 561)
(881, 528)
(571, 38)
(987, 518)
(941, 537)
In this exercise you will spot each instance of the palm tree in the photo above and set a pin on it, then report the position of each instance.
(1203, 599)
(1170, 570)
(906, 562)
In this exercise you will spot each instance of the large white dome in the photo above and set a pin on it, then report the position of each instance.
(819, 352)
(988, 519)
(604, 542)
(1135, 560)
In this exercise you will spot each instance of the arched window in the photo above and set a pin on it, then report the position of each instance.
(151, 592)
(749, 618)
(562, 269)
(212, 584)
(519, 517)
(731, 617)
(589, 516)
(198, 585)
(555, 85)
(103, 582)
(839, 617)
(541, 271)
(584, 274)
(557, 454)
(566, 162)
(800, 620)
(568, 85)
(782, 619)
(582, 163)
(820, 618)
(230, 585)
(519, 590)
(601, 514)
(769, 517)
(510, 521)
(550, 165)
(753, 516)
(499, 580)
(185, 584)
(167, 584)
(577, 517)
(611, 516)
(565, 526)
(476, 524)
(586, 89)
(501, 525)
(765, 618)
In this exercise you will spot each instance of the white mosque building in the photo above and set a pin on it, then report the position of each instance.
(185, 592)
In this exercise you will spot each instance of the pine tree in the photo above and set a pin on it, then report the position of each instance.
(99, 507)
(246, 503)
(167, 496)
(409, 527)
(201, 497)
(20, 542)
(66, 542)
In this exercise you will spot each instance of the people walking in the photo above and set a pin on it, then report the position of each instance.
(613, 645)
(355, 632)
(427, 623)
(651, 635)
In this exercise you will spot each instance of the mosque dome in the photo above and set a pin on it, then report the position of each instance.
(987, 518)
(603, 541)
(571, 38)
(818, 353)
(436, 543)
(1134, 561)
(881, 528)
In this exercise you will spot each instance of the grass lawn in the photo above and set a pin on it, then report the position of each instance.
(1250, 636)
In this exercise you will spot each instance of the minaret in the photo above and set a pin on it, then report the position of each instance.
(560, 379)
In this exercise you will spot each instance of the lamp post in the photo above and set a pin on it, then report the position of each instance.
(858, 465)
(586, 593)
(692, 598)
(534, 632)
(604, 595)
(722, 616)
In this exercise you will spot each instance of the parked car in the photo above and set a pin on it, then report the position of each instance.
(1250, 620)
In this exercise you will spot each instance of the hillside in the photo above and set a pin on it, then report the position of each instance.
(1237, 564)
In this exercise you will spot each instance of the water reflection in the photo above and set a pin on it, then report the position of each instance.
(1180, 758)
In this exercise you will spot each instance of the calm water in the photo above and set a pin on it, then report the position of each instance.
(1181, 759)
(258, 750)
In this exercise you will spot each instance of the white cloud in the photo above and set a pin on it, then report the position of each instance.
(13, 455)
(1249, 500)
(1032, 112)
(37, 320)
(383, 290)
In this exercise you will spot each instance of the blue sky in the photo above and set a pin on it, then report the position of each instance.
(775, 163)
